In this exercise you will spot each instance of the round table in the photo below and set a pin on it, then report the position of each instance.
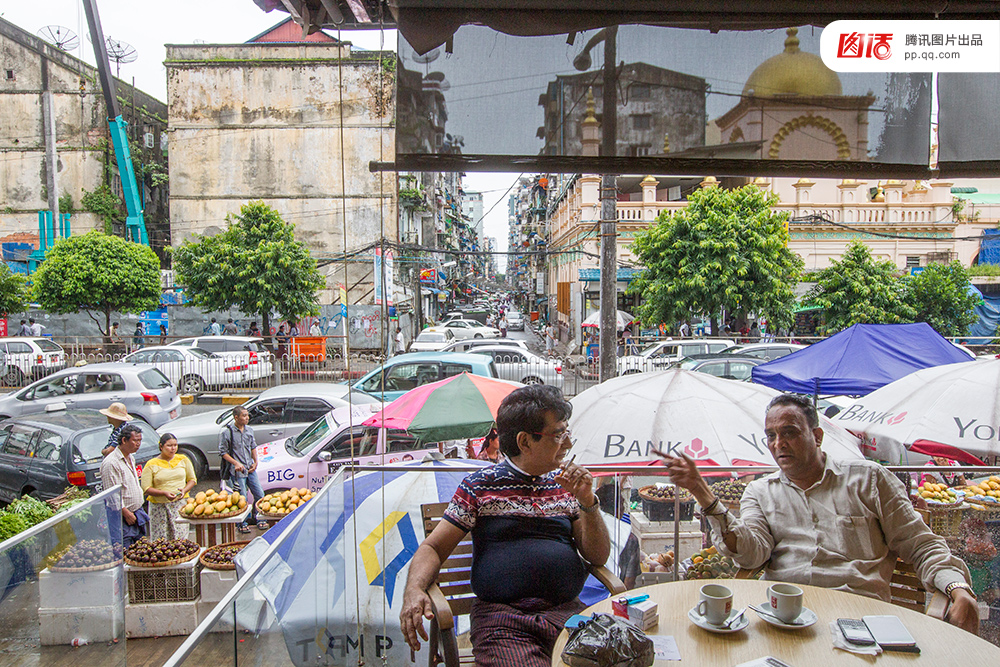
(940, 643)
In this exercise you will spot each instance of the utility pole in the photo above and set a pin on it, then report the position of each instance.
(609, 227)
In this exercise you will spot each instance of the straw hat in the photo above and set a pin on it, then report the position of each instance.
(117, 411)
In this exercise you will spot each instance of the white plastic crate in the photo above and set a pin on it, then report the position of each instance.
(161, 619)
(641, 524)
(59, 590)
(654, 543)
(94, 624)
(174, 583)
(216, 583)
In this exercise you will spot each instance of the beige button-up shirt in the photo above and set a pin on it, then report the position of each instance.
(116, 469)
(844, 532)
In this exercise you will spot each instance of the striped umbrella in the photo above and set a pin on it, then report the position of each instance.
(462, 406)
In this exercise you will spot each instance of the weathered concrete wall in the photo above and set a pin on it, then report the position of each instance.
(265, 121)
(80, 125)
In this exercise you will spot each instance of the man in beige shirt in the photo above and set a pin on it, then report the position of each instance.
(118, 467)
(835, 524)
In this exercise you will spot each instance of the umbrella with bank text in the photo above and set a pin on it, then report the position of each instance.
(713, 420)
(940, 411)
(462, 406)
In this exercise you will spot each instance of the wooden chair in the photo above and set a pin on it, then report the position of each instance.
(451, 594)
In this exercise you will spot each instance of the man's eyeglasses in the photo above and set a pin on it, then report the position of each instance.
(561, 434)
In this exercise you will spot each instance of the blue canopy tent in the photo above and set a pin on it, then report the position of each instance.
(859, 360)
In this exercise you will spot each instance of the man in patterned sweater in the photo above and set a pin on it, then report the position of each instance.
(534, 520)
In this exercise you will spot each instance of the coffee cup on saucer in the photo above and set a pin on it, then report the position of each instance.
(716, 603)
(786, 601)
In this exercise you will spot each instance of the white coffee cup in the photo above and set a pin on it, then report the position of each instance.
(786, 601)
(716, 603)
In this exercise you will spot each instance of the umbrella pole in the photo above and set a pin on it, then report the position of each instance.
(816, 395)
(677, 532)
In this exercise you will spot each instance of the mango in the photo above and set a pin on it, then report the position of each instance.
(199, 510)
(242, 504)
(200, 498)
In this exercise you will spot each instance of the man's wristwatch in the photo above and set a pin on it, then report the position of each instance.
(959, 584)
(592, 508)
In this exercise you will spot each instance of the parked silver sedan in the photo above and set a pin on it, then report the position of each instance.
(519, 365)
(146, 392)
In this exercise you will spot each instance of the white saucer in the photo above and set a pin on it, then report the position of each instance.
(805, 618)
(702, 622)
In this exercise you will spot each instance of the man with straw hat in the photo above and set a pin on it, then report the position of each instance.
(118, 416)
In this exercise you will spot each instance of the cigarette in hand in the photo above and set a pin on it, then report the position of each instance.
(566, 463)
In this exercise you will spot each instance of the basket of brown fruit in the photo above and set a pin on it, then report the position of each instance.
(658, 502)
(220, 557)
(729, 492)
(160, 553)
(88, 556)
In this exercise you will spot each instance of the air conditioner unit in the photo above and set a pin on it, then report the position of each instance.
(150, 139)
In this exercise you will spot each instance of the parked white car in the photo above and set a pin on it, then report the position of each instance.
(431, 341)
(470, 343)
(467, 329)
(244, 348)
(30, 359)
(515, 321)
(519, 365)
(661, 354)
(192, 369)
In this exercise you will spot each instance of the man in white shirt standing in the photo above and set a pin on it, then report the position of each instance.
(118, 467)
(400, 343)
(833, 524)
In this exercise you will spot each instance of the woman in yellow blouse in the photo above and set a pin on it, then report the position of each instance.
(166, 480)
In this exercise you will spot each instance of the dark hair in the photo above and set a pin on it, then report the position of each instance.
(492, 435)
(803, 403)
(239, 409)
(524, 410)
(127, 431)
(165, 437)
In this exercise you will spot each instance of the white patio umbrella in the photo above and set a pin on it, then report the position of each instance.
(944, 410)
(622, 320)
(712, 420)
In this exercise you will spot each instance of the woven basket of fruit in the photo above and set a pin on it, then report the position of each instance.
(277, 504)
(985, 493)
(220, 557)
(658, 503)
(212, 505)
(88, 556)
(945, 521)
(161, 553)
(729, 492)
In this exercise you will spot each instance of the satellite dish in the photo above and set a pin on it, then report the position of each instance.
(120, 52)
(428, 57)
(60, 37)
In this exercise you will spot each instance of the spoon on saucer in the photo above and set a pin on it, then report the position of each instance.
(767, 613)
(728, 624)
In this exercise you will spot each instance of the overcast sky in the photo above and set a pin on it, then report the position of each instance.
(208, 21)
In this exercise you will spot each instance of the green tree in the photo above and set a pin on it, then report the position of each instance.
(98, 273)
(14, 291)
(725, 250)
(942, 298)
(256, 265)
(860, 290)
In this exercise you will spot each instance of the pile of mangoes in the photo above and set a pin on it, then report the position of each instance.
(284, 502)
(987, 490)
(935, 493)
(214, 504)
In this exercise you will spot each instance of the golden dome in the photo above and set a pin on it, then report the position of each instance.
(792, 72)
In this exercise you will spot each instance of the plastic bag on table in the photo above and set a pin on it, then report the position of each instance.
(608, 641)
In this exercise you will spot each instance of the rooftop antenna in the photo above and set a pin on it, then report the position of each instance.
(120, 52)
(62, 38)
